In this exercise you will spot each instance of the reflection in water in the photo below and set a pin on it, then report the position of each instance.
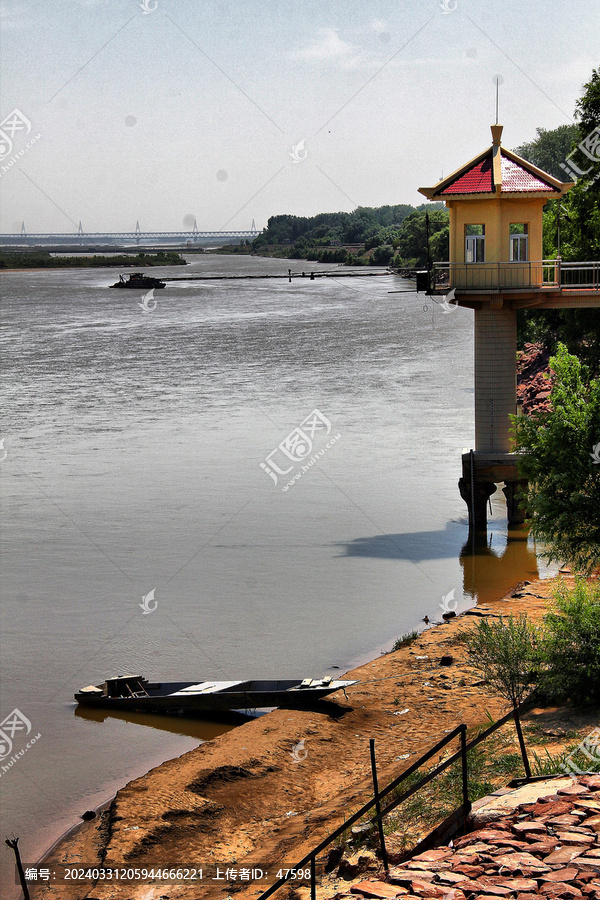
(201, 728)
(493, 563)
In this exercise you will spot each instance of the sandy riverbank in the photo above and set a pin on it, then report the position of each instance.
(263, 794)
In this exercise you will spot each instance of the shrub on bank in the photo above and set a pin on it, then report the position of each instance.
(561, 657)
(506, 653)
(571, 646)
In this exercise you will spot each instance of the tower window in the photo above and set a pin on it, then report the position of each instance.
(475, 243)
(518, 242)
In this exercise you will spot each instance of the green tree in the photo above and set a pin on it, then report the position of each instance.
(412, 238)
(559, 450)
(505, 652)
(550, 148)
(579, 216)
(382, 256)
(588, 105)
(571, 644)
(584, 198)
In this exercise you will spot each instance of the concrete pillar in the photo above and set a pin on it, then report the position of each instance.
(515, 493)
(495, 377)
(477, 504)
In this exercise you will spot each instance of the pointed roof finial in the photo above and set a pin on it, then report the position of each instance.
(496, 134)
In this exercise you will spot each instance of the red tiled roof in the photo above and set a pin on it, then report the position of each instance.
(479, 179)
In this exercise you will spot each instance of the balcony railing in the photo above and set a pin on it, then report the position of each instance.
(552, 273)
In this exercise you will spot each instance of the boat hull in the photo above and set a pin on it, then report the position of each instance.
(125, 286)
(172, 698)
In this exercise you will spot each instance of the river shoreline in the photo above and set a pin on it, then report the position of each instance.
(169, 815)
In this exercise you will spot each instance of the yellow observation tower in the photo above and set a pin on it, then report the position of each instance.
(496, 267)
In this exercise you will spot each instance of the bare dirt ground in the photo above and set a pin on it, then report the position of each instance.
(264, 794)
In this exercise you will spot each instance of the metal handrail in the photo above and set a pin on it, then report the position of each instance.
(545, 273)
(460, 730)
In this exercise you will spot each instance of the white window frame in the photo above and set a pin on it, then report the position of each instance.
(474, 248)
(518, 243)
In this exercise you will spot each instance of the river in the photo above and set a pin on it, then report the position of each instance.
(133, 441)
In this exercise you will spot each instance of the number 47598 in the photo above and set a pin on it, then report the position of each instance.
(294, 874)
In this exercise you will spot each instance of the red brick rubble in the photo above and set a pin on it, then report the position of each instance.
(548, 848)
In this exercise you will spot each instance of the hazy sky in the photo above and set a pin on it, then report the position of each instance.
(166, 110)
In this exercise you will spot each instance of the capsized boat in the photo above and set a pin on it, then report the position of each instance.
(138, 280)
(135, 692)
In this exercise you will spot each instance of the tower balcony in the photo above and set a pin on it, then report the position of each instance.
(546, 276)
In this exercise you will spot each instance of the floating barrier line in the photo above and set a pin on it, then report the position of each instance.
(309, 276)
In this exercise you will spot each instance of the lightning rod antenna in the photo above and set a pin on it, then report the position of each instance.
(497, 91)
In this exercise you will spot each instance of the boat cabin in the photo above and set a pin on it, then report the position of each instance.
(126, 686)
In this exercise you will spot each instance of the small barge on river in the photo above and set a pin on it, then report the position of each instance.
(138, 280)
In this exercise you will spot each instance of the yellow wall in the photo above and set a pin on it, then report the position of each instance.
(496, 214)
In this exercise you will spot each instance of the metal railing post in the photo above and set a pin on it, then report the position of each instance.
(313, 879)
(378, 806)
(522, 744)
(13, 843)
(465, 771)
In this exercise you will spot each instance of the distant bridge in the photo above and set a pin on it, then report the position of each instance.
(135, 238)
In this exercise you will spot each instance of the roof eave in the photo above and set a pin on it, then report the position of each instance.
(492, 195)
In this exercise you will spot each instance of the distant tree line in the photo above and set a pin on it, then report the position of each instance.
(41, 259)
(384, 235)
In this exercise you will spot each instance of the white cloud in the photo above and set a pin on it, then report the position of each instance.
(379, 26)
(327, 45)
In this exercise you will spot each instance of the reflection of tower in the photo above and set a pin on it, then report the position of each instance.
(253, 227)
(137, 233)
(488, 573)
(195, 232)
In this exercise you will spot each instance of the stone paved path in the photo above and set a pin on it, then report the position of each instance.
(546, 847)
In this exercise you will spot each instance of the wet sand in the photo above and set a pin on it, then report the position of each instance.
(265, 793)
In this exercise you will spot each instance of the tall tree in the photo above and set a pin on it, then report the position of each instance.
(550, 148)
(578, 217)
(412, 238)
(584, 198)
(561, 462)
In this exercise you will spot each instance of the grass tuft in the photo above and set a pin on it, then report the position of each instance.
(404, 640)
